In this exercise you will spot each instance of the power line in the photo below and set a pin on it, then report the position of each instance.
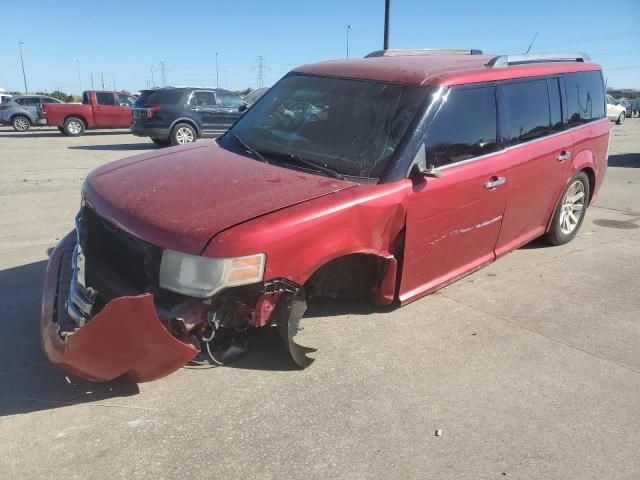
(261, 66)
(164, 79)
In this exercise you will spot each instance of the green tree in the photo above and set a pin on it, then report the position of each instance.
(61, 96)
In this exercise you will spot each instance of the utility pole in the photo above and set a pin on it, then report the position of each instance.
(348, 30)
(261, 66)
(226, 83)
(164, 79)
(102, 77)
(217, 76)
(387, 15)
(92, 87)
(153, 82)
(79, 76)
(24, 77)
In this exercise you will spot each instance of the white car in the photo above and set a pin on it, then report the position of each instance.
(615, 111)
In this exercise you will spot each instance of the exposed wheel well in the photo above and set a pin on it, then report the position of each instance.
(20, 114)
(354, 276)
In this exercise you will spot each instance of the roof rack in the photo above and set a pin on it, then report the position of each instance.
(416, 52)
(525, 58)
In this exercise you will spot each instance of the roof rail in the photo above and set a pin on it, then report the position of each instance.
(525, 58)
(416, 52)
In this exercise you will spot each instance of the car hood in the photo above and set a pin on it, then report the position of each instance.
(180, 197)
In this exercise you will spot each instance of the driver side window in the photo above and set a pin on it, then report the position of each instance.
(464, 127)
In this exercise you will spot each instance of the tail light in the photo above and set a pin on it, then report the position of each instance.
(151, 111)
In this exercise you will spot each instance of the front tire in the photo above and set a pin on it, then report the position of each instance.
(620, 120)
(183, 134)
(570, 211)
(20, 123)
(73, 127)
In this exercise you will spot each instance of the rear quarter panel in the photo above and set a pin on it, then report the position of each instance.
(591, 149)
(57, 113)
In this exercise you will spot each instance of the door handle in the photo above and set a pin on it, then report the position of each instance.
(563, 156)
(495, 182)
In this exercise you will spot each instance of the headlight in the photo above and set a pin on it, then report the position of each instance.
(203, 277)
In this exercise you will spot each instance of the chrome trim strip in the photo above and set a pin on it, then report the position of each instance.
(513, 147)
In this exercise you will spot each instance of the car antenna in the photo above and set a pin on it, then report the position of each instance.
(531, 44)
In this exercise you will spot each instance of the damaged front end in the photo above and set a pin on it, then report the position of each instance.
(109, 310)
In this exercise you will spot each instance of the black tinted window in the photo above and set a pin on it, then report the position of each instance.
(526, 108)
(465, 127)
(202, 99)
(85, 98)
(104, 98)
(33, 101)
(20, 101)
(158, 97)
(585, 97)
(555, 104)
(229, 100)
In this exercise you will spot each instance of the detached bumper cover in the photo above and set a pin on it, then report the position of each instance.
(125, 338)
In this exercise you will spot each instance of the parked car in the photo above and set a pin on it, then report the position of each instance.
(419, 169)
(23, 111)
(181, 115)
(253, 97)
(615, 111)
(99, 109)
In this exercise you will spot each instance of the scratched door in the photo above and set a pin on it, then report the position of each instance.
(453, 222)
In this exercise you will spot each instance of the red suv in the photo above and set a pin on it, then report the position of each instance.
(383, 178)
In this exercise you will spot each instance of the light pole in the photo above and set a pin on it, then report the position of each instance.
(24, 77)
(79, 76)
(153, 82)
(387, 15)
(217, 80)
(348, 30)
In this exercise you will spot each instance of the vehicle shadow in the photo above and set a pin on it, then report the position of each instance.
(55, 133)
(28, 381)
(625, 160)
(116, 146)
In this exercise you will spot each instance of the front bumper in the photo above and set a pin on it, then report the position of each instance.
(126, 337)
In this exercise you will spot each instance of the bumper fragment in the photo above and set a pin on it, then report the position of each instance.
(125, 338)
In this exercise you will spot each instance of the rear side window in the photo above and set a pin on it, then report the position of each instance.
(104, 98)
(202, 99)
(585, 97)
(465, 127)
(20, 101)
(33, 101)
(150, 98)
(526, 107)
(228, 100)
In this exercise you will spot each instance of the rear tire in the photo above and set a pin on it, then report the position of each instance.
(20, 123)
(183, 134)
(620, 120)
(570, 211)
(161, 142)
(74, 127)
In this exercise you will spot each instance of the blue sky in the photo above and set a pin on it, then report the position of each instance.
(125, 39)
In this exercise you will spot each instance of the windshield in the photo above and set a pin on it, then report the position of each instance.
(350, 126)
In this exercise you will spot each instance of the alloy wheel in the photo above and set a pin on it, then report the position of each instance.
(572, 208)
(21, 124)
(74, 127)
(184, 135)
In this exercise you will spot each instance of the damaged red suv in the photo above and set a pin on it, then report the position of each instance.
(382, 178)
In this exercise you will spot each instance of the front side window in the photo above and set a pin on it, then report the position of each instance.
(104, 98)
(464, 127)
(228, 100)
(526, 108)
(125, 100)
(202, 99)
(585, 97)
(33, 101)
(352, 127)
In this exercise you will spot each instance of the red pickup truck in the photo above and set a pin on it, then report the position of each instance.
(99, 109)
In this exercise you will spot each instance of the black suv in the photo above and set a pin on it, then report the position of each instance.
(180, 115)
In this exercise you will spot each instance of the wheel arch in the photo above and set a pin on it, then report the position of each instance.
(79, 117)
(187, 120)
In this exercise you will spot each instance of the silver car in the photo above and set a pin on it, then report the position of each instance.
(23, 111)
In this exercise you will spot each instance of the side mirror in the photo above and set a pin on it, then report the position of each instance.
(243, 107)
(420, 167)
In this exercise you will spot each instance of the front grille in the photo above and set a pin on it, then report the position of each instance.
(111, 251)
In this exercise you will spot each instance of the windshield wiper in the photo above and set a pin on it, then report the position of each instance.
(314, 166)
(249, 148)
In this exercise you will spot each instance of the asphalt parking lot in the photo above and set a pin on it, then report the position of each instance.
(530, 367)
